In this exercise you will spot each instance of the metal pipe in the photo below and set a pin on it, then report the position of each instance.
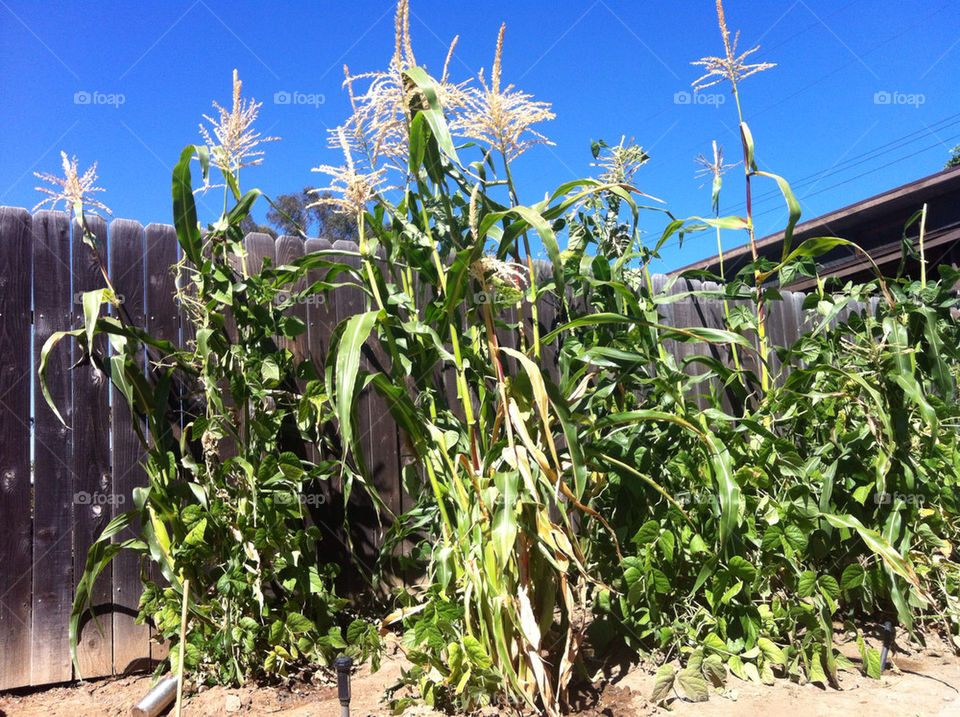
(343, 665)
(157, 699)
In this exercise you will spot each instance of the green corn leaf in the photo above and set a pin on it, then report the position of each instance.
(98, 558)
(816, 246)
(355, 332)
(92, 301)
(936, 353)
(505, 520)
(434, 112)
(727, 487)
(746, 136)
(184, 208)
(793, 207)
(48, 346)
(243, 207)
(882, 548)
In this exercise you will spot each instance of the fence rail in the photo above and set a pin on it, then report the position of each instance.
(59, 488)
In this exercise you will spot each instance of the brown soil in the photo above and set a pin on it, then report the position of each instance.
(919, 681)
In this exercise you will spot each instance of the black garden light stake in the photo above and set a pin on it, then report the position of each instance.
(887, 641)
(343, 665)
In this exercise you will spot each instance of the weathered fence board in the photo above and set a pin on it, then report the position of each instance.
(384, 459)
(321, 320)
(163, 317)
(365, 530)
(53, 451)
(131, 648)
(91, 460)
(15, 535)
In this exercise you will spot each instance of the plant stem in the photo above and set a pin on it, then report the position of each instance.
(760, 304)
(533, 279)
(923, 258)
(182, 645)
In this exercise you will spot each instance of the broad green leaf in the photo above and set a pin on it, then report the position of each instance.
(647, 533)
(195, 536)
(474, 650)
(693, 685)
(771, 652)
(828, 584)
(662, 684)
(807, 583)
(815, 671)
(713, 642)
(751, 672)
(714, 670)
(872, 663)
(852, 576)
(298, 624)
(742, 568)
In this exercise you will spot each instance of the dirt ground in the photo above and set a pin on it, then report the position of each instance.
(922, 682)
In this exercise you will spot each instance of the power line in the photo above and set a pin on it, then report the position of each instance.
(676, 239)
(886, 148)
(863, 174)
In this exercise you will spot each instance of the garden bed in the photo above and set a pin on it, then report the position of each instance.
(920, 681)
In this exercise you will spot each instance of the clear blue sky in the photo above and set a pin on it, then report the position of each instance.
(609, 67)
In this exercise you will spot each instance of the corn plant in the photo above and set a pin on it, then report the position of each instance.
(225, 422)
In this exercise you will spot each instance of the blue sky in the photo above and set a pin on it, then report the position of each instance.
(864, 97)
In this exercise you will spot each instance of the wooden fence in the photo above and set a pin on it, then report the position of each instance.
(60, 487)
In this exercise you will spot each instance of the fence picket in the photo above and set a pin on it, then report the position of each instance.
(91, 461)
(53, 451)
(131, 642)
(15, 537)
(364, 521)
(163, 317)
